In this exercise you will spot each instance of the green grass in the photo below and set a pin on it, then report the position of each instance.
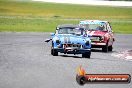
(36, 25)
(44, 17)
(122, 27)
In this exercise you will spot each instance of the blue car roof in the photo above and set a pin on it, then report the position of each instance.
(92, 22)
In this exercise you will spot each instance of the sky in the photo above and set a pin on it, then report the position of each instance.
(92, 2)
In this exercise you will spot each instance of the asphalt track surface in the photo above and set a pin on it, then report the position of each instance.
(25, 62)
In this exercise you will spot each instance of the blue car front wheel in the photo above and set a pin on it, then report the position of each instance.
(54, 52)
(87, 54)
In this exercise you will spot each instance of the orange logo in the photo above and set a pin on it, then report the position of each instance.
(83, 78)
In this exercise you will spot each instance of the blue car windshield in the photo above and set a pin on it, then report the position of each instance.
(74, 31)
(94, 27)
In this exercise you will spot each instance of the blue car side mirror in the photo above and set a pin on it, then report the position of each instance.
(52, 34)
(89, 35)
(48, 40)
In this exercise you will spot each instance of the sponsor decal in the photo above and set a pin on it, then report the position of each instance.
(67, 40)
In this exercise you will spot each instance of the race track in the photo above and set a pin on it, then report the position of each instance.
(25, 62)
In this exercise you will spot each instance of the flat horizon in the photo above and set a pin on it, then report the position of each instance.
(91, 2)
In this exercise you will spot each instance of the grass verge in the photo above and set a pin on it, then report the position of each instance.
(44, 17)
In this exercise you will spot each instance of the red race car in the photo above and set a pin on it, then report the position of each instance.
(100, 33)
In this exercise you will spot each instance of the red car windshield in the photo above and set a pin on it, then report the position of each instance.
(94, 27)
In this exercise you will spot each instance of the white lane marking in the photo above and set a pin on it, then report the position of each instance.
(129, 58)
(126, 55)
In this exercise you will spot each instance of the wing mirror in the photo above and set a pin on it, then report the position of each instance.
(48, 40)
(52, 34)
(89, 35)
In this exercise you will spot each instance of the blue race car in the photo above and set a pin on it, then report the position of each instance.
(70, 39)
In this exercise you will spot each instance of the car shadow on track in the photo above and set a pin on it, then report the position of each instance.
(96, 50)
(73, 56)
(70, 56)
(106, 59)
(93, 51)
(99, 50)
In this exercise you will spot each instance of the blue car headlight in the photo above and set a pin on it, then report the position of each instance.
(57, 41)
(87, 43)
